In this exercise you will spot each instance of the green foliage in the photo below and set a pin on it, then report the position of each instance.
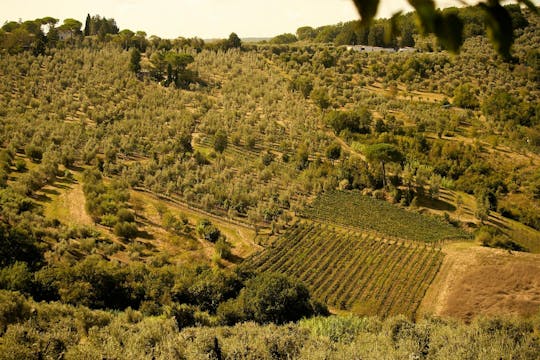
(358, 121)
(18, 242)
(284, 39)
(493, 237)
(208, 231)
(223, 248)
(333, 151)
(13, 309)
(177, 225)
(183, 314)
(17, 277)
(465, 97)
(303, 85)
(362, 212)
(72, 26)
(234, 42)
(320, 97)
(220, 141)
(35, 153)
(342, 329)
(383, 153)
(126, 230)
(57, 331)
(170, 67)
(100, 26)
(135, 61)
(305, 33)
(274, 298)
(108, 204)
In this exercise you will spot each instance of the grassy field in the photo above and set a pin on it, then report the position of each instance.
(479, 281)
(354, 271)
(365, 213)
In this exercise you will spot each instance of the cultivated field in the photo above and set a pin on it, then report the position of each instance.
(365, 213)
(353, 270)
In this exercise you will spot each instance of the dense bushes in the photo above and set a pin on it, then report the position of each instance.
(108, 205)
(31, 330)
(358, 121)
(19, 243)
(270, 298)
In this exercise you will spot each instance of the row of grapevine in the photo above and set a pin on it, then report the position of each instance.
(354, 271)
(350, 208)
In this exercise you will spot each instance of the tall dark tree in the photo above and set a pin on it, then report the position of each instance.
(234, 41)
(135, 62)
(87, 25)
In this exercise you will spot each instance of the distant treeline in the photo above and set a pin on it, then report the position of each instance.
(398, 32)
(42, 33)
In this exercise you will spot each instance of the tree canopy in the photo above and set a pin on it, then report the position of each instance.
(448, 26)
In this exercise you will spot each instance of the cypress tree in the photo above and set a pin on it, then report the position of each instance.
(87, 25)
(135, 63)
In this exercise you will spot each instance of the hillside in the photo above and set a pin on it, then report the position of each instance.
(354, 271)
(180, 193)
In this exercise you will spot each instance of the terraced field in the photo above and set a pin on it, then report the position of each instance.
(350, 208)
(354, 271)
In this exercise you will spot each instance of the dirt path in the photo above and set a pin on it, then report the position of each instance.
(475, 280)
(69, 205)
(75, 202)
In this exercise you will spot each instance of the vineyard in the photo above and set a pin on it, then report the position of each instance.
(354, 271)
(365, 213)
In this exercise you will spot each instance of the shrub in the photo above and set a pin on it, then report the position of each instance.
(126, 230)
(220, 141)
(183, 314)
(223, 248)
(208, 231)
(124, 215)
(34, 152)
(108, 220)
(275, 298)
(16, 277)
(13, 308)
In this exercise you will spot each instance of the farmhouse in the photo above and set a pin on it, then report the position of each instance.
(366, 48)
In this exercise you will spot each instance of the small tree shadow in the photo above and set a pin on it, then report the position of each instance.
(42, 198)
(143, 234)
(436, 204)
(235, 259)
(50, 191)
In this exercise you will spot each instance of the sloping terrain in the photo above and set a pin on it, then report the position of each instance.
(353, 270)
(475, 280)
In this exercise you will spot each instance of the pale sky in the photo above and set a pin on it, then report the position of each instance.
(203, 18)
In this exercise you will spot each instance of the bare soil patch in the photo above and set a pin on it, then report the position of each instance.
(475, 280)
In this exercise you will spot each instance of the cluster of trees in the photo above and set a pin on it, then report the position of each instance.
(49, 261)
(30, 35)
(100, 26)
(402, 31)
(170, 68)
(356, 121)
(42, 34)
(192, 295)
(108, 205)
(30, 330)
